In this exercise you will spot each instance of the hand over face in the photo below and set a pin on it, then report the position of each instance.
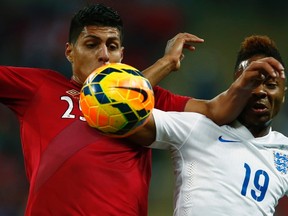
(252, 72)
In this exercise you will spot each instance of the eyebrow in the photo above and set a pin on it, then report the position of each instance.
(97, 38)
(91, 36)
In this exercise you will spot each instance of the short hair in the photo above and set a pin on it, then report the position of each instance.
(96, 14)
(257, 45)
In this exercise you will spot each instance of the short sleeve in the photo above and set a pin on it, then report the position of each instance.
(167, 101)
(173, 128)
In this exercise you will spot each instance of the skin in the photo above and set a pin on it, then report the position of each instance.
(235, 98)
(265, 101)
(95, 47)
(250, 83)
(171, 61)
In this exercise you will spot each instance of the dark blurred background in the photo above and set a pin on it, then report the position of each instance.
(33, 33)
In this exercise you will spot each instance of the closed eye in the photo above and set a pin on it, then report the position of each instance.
(91, 45)
(271, 85)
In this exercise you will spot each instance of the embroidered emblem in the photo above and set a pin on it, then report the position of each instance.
(281, 162)
(74, 93)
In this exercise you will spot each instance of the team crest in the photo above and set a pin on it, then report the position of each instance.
(281, 162)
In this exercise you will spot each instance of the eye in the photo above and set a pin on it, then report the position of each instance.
(113, 47)
(271, 85)
(91, 45)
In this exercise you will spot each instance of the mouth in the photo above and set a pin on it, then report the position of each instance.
(259, 108)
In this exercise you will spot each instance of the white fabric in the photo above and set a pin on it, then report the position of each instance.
(213, 165)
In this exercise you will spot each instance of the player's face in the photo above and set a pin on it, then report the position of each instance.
(264, 103)
(94, 47)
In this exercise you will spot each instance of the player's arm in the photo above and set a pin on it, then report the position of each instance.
(146, 134)
(225, 107)
(171, 61)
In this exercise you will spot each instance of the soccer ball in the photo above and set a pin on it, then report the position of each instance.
(116, 99)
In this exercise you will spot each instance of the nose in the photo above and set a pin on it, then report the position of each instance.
(103, 54)
(260, 92)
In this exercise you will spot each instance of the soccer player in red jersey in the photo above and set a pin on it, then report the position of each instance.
(72, 169)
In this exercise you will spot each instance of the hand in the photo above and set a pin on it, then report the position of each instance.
(174, 48)
(171, 61)
(253, 74)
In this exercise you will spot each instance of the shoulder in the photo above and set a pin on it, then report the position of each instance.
(276, 135)
(177, 115)
(274, 140)
(12, 71)
(16, 69)
(179, 119)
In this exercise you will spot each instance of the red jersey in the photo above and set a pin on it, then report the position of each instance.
(72, 169)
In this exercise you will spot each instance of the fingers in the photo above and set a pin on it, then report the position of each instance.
(252, 74)
(188, 37)
(189, 47)
(267, 66)
(274, 67)
(174, 48)
(184, 40)
(187, 40)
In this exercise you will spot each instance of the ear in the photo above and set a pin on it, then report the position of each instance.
(69, 52)
(122, 54)
(283, 100)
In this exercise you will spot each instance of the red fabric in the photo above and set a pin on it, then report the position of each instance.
(167, 101)
(71, 168)
(282, 207)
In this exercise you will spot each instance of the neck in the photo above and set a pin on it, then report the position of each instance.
(258, 130)
(76, 79)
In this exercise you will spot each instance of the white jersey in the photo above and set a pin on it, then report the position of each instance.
(222, 171)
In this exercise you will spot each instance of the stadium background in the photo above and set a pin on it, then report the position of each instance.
(33, 33)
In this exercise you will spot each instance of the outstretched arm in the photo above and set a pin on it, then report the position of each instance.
(222, 106)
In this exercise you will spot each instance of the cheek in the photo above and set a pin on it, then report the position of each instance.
(277, 105)
(83, 66)
(83, 60)
(79, 57)
(115, 57)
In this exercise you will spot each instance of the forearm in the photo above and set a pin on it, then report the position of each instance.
(145, 135)
(226, 107)
(159, 70)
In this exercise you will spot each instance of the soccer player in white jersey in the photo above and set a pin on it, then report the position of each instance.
(240, 169)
